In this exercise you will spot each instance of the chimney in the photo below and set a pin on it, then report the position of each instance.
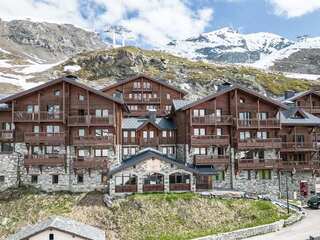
(289, 94)
(152, 114)
(223, 86)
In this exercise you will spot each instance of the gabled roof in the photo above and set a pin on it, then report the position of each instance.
(70, 80)
(137, 123)
(150, 153)
(147, 77)
(178, 104)
(62, 224)
(288, 117)
(229, 89)
(301, 94)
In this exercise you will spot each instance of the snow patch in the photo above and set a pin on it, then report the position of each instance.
(311, 77)
(71, 68)
(4, 51)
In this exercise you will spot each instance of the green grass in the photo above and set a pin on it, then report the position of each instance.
(153, 216)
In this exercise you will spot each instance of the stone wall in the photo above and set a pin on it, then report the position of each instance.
(148, 167)
(9, 167)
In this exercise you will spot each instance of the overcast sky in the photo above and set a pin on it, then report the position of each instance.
(157, 22)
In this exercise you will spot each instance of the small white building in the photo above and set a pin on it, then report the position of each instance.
(59, 228)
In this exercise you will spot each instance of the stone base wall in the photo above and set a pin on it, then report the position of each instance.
(9, 168)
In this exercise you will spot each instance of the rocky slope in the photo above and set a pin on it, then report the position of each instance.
(100, 68)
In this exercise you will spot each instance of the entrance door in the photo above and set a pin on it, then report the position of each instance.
(204, 183)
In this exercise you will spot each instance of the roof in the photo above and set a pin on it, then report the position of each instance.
(149, 153)
(299, 95)
(162, 82)
(229, 89)
(62, 224)
(288, 117)
(136, 123)
(178, 104)
(70, 80)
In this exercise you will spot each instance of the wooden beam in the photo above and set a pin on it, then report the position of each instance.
(39, 114)
(12, 109)
(236, 105)
(88, 108)
(258, 117)
(310, 99)
(64, 101)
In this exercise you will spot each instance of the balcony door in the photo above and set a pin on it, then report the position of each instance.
(53, 111)
(245, 118)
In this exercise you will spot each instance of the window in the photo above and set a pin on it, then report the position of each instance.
(32, 108)
(264, 174)
(262, 135)
(7, 126)
(81, 132)
(221, 151)
(164, 134)
(34, 179)
(52, 149)
(36, 129)
(101, 132)
(53, 108)
(220, 176)
(261, 154)
(101, 152)
(56, 93)
(35, 150)
(198, 112)
(218, 112)
(245, 135)
(244, 115)
(151, 107)
(151, 134)
(133, 134)
(83, 152)
(125, 180)
(145, 134)
(80, 178)
(263, 115)
(53, 129)
(133, 107)
(300, 138)
(51, 236)
(199, 132)
(219, 131)
(2, 179)
(168, 107)
(241, 100)
(168, 150)
(81, 97)
(136, 85)
(146, 85)
(200, 151)
(130, 95)
(102, 112)
(168, 96)
(55, 179)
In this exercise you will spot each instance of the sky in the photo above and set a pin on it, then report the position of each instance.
(156, 22)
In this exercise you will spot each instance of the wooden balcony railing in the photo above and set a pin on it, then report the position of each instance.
(144, 89)
(44, 160)
(126, 188)
(168, 140)
(129, 141)
(44, 137)
(298, 146)
(210, 140)
(153, 187)
(6, 135)
(298, 165)
(259, 143)
(21, 116)
(251, 164)
(90, 163)
(90, 120)
(179, 187)
(212, 120)
(257, 123)
(141, 100)
(92, 140)
(211, 160)
(149, 141)
(313, 109)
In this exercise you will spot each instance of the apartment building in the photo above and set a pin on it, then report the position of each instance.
(64, 135)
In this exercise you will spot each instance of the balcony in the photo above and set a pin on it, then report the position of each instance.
(311, 109)
(90, 163)
(91, 120)
(149, 141)
(255, 164)
(21, 116)
(129, 141)
(6, 135)
(207, 160)
(298, 147)
(93, 140)
(54, 160)
(210, 140)
(257, 123)
(45, 138)
(212, 120)
(142, 89)
(298, 165)
(168, 140)
(152, 100)
(259, 143)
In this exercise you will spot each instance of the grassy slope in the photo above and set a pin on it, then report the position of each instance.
(176, 68)
(152, 216)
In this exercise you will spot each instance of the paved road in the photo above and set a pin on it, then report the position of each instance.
(298, 231)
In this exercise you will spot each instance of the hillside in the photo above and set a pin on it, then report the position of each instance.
(138, 217)
(199, 78)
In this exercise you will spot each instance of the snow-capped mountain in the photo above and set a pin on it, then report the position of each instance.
(227, 45)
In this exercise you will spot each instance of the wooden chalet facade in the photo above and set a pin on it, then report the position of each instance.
(143, 93)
